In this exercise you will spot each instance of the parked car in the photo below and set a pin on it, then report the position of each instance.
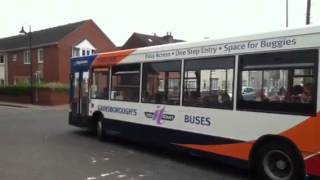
(248, 93)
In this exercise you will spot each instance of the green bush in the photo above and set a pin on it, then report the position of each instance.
(25, 89)
(54, 86)
(19, 90)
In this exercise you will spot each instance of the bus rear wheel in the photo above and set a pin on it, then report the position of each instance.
(279, 161)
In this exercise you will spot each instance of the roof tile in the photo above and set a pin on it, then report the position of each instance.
(45, 36)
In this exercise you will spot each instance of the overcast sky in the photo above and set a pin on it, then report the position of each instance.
(190, 20)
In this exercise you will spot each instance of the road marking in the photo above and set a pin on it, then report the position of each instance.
(91, 178)
(110, 173)
(122, 176)
(93, 160)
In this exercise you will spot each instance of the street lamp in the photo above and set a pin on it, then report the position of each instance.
(22, 31)
(287, 13)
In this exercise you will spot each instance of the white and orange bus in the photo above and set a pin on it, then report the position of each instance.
(252, 99)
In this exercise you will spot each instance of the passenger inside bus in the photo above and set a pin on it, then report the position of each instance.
(207, 99)
(307, 93)
(302, 94)
(297, 94)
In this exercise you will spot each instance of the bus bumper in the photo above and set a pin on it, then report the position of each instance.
(313, 165)
(78, 120)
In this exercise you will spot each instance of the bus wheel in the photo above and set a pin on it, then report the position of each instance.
(279, 161)
(100, 130)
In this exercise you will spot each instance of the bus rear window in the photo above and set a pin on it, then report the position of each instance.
(278, 82)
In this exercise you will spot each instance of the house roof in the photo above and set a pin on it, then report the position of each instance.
(154, 39)
(41, 37)
(141, 40)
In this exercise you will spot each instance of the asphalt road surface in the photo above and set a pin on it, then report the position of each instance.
(38, 144)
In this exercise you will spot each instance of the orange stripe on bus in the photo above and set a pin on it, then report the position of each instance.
(111, 58)
(306, 135)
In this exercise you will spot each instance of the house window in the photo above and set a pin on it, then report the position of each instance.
(26, 57)
(83, 48)
(14, 57)
(1, 82)
(40, 55)
(76, 52)
(1, 59)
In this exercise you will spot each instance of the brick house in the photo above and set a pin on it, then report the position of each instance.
(51, 50)
(138, 40)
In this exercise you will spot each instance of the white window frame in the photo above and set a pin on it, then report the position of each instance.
(83, 48)
(26, 57)
(76, 52)
(39, 57)
(3, 60)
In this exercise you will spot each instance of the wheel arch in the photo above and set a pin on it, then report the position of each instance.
(267, 139)
(94, 120)
(97, 115)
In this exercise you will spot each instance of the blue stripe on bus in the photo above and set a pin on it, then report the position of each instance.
(164, 136)
(82, 63)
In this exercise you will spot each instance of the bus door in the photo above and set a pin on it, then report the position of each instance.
(75, 87)
(84, 94)
(80, 93)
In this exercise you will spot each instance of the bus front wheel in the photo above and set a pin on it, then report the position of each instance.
(279, 161)
(101, 135)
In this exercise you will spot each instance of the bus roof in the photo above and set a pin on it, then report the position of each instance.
(310, 29)
(276, 40)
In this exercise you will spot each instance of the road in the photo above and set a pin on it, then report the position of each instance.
(38, 144)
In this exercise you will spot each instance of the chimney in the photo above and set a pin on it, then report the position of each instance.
(168, 37)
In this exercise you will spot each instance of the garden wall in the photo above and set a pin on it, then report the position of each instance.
(41, 97)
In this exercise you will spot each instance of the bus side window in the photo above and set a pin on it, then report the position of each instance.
(125, 82)
(100, 84)
(281, 82)
(161, 82)
(209, 82)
